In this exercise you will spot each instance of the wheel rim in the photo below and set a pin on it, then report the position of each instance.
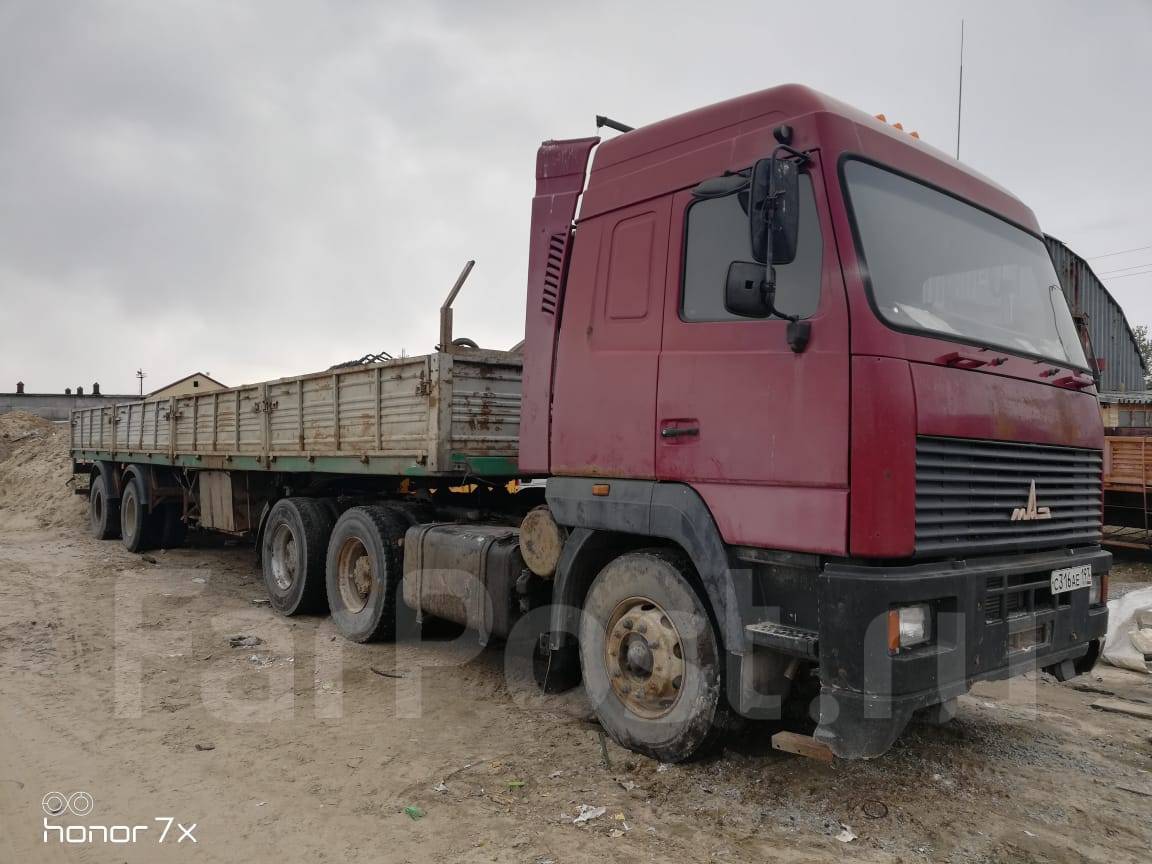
(354, 574)
(644, 657)
(285, 557)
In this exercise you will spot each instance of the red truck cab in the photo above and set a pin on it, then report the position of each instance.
(892, 496)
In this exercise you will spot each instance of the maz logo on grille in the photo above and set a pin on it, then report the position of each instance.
(1030, 512)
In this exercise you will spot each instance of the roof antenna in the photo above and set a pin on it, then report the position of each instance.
(960, 94)
(601, 121)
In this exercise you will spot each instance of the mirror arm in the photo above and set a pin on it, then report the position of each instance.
(768, 286)
(801, 155)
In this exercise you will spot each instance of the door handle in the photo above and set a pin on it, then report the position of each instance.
(1075, 382)
(967, 361)
(679, 431)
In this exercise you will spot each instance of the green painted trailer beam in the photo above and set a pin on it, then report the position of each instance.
(489, 467)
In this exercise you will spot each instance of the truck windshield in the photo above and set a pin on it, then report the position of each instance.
(938, 265)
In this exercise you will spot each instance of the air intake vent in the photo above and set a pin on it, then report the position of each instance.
(976, 496)
(553, 273)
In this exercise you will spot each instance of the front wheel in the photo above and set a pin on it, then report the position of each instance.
(650, 656)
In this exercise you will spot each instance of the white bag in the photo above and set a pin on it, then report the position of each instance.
(1129, 633)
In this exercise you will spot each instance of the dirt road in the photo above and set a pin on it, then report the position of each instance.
(118, 678)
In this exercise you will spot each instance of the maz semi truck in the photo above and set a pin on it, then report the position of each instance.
(811, 414)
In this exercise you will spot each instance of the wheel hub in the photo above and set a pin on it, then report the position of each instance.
(128, 509)
(644, 657)
(354, 574)
(285, 560)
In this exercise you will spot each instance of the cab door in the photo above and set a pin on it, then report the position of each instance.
(608, 353)
(759, 430)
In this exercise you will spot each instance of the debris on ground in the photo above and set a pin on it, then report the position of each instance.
(414, 813)
(241, 640)
(385, 673)
(846, 835)
(587, 813)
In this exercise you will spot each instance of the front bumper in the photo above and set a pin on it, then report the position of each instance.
(992, 618)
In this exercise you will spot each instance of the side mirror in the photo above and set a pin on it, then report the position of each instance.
(774, 210)
(744, 290)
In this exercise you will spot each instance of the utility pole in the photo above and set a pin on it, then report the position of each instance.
(960, 94)
(141, 374)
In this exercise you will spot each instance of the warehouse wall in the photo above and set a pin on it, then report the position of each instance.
(55, 406)
(1121, 369)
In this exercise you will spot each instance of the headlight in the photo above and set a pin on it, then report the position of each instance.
(1098, 593)
(908, 626)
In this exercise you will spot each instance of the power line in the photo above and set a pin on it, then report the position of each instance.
(1126, 275)
(1120, 252)
(1122, 269)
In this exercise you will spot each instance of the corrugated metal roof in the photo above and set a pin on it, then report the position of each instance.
(1121, 366)
(1141, 398)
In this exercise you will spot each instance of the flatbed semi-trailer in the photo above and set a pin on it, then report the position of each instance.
(805, 414)
(440, 414)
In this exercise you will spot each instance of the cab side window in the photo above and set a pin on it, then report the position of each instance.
(717, 235)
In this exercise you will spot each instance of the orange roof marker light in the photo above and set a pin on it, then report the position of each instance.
(899, 126)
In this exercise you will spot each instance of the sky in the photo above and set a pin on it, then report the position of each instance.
(259, 189)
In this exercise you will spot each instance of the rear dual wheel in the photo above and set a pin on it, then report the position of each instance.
(292, 551)
(140, 528)
(364, 567)
(103, 511)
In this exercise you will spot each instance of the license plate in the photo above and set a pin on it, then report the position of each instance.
(1071, 578)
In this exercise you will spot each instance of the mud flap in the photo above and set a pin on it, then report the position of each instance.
(854, 726)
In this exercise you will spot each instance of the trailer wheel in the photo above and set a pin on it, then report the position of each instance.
(363, 573)
(139, 529)
(292, 555)
(103, 512)
(650, 657)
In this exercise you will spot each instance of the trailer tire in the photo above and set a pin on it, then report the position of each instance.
(292, 553)
(139, 528)
(651, 658)
(365, 565)
(103, 512)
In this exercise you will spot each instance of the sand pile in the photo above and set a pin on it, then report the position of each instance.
(36, 473)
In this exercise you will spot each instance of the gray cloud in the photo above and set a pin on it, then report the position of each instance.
(256, 189)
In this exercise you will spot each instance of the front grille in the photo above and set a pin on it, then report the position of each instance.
(1022, 594)
(968, 490)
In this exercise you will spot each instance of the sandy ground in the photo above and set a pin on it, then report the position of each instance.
(118, 679)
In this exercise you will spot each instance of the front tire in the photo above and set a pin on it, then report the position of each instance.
(650, 657)
(363, 573)
(292, 551)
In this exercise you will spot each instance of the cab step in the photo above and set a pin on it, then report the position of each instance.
(793, 641)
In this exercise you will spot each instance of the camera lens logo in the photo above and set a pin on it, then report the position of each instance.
(78, 803)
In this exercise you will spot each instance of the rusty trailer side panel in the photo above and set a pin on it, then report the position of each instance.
(443, 413)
